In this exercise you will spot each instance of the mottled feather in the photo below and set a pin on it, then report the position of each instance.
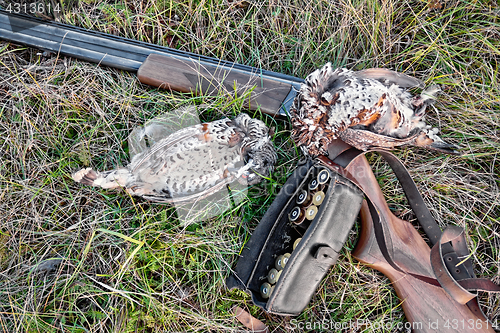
(194, 162)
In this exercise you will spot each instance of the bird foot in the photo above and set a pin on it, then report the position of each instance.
(85, 176)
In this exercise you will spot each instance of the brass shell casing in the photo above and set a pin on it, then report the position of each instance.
(311, 212)
(296, 243)
(281, 261)
(273, 275)
(318, 198)
(265, 290)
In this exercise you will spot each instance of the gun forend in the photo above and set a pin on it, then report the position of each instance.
(270, 95)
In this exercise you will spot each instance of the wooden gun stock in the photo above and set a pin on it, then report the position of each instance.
(270, 95)
(428, 308)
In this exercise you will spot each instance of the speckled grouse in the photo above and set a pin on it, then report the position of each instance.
(366, 109)
(194, 162)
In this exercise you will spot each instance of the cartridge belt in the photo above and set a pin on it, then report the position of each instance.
(298, 239)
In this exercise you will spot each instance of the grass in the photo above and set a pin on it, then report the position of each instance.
(78, 259)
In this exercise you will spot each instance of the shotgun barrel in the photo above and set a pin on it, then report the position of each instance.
(270, 92)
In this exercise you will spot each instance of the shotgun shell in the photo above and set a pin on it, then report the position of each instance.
(265, 290)
(313, 184)
(295, 214)
(311, 212)
(286, 256)
(273, 275)
(297, 241)
(281, 261)
(303, 198)
(278, 264)
(318, 198)
(323, 176)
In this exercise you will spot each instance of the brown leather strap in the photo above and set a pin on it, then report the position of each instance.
(458, 289)
(338, 169)
(383, 239)
(424, 217)
(415, 200)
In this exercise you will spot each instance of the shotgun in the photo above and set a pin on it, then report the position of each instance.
(164, 67)
(271, 93)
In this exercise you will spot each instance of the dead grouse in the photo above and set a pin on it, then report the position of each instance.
(366, 109)
(194, 162)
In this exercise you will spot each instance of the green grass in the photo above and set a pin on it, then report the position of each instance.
(132, 266)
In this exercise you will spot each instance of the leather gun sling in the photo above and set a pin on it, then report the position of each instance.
(380, 235)
(453, 274)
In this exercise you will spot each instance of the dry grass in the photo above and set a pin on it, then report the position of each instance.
(77, 259)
